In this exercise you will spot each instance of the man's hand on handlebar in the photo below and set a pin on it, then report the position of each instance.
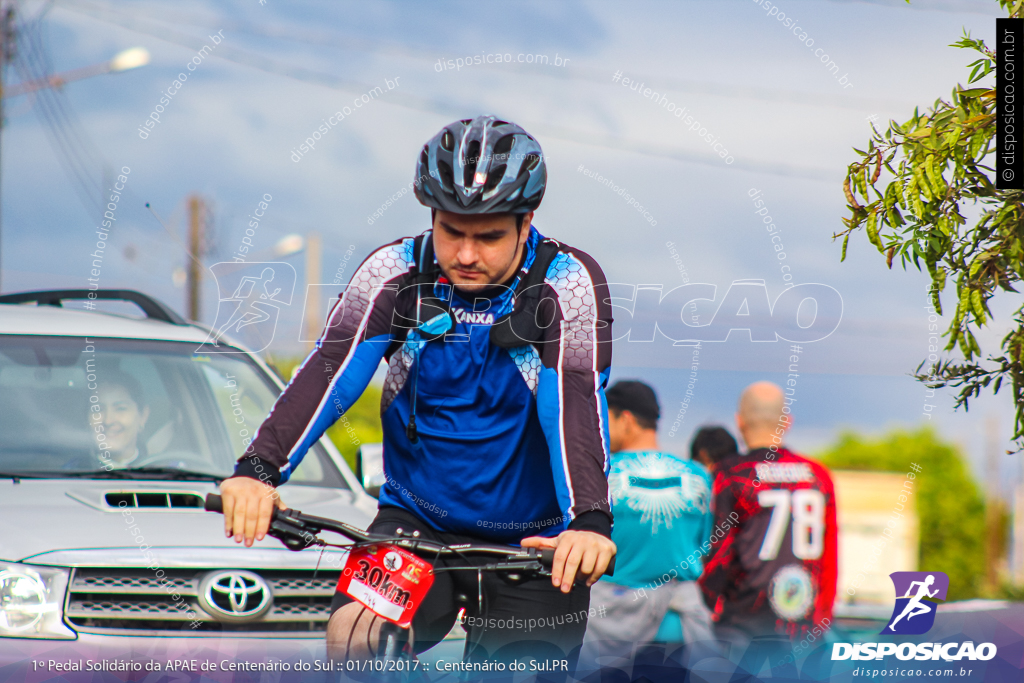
(583, 551)
(248, 504)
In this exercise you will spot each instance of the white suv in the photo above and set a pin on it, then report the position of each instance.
(103, 538)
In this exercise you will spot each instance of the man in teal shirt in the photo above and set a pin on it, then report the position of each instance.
(661, 504)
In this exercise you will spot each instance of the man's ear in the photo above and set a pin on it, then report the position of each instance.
(524, 228)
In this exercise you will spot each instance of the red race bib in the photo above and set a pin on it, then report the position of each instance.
(390, 581)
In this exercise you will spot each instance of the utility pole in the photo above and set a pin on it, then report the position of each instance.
(7, 45)
(994, 507)
(196, 229)
(312, 278)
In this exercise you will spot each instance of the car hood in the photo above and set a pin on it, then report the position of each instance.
(69, 522)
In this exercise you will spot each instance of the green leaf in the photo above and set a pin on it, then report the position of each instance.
(922, 183)
(934, 177)
(872, 228)
(977, 307)
(899, 194)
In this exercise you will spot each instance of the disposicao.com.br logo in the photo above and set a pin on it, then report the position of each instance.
(914, 614)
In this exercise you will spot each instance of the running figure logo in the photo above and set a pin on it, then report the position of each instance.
(253, 303)
(249, 303)
(913, 613)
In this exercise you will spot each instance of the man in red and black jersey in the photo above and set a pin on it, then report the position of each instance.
(772, 566)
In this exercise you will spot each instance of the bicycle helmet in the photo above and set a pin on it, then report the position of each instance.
(480, 166)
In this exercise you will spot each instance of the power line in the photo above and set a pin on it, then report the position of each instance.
(446, 108)
(576, 74)
(75, 151)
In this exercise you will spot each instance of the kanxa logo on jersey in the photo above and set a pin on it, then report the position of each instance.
(914, 614)
(464, 316)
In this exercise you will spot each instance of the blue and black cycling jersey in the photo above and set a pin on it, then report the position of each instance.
(511, 442)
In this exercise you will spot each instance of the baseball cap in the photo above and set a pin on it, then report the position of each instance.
(634, 396)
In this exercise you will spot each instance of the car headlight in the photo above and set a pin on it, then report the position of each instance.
(32, 601)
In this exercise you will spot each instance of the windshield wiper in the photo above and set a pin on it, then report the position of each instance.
(59, 474)
(166, 473)
(171, 473)
(24, 475)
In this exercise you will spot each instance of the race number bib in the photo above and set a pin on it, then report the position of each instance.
(390, 581)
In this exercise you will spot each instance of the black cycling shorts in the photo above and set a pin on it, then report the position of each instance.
(532, 620)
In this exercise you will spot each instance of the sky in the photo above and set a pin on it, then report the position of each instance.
(230, 134)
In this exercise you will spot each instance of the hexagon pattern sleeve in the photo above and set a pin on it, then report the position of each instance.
(576, 359)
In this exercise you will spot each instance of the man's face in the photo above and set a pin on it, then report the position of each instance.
(478, 251)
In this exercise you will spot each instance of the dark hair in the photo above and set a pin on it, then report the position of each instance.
(643, 422)
(111, 378)
(636, 397)
(716, 441)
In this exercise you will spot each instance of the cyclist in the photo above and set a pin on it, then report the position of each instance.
(773, 570)
(662, 516)
(494, 424)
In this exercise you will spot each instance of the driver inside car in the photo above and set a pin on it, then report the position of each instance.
(119, 422)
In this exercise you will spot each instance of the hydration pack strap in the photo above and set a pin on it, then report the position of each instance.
(510, 330)
(520, 326)
(424, 273)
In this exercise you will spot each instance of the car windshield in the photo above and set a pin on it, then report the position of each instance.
(94, 407)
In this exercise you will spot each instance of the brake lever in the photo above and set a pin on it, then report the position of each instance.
(292, 533)
(518, 571)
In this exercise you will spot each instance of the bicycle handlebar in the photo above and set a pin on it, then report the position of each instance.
(297, 532)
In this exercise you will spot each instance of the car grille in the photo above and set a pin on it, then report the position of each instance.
(135, 600)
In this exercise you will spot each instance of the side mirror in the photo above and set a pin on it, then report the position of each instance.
(370, 467)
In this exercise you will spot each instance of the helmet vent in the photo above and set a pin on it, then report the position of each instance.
(471, 159)
(447, 141)
(504, 145)
(531, 162)
(494, 177)
(447, 176)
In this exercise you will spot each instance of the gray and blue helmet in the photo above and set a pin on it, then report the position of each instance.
(482, 165)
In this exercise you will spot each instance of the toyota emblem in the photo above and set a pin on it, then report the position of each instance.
(235, 595)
